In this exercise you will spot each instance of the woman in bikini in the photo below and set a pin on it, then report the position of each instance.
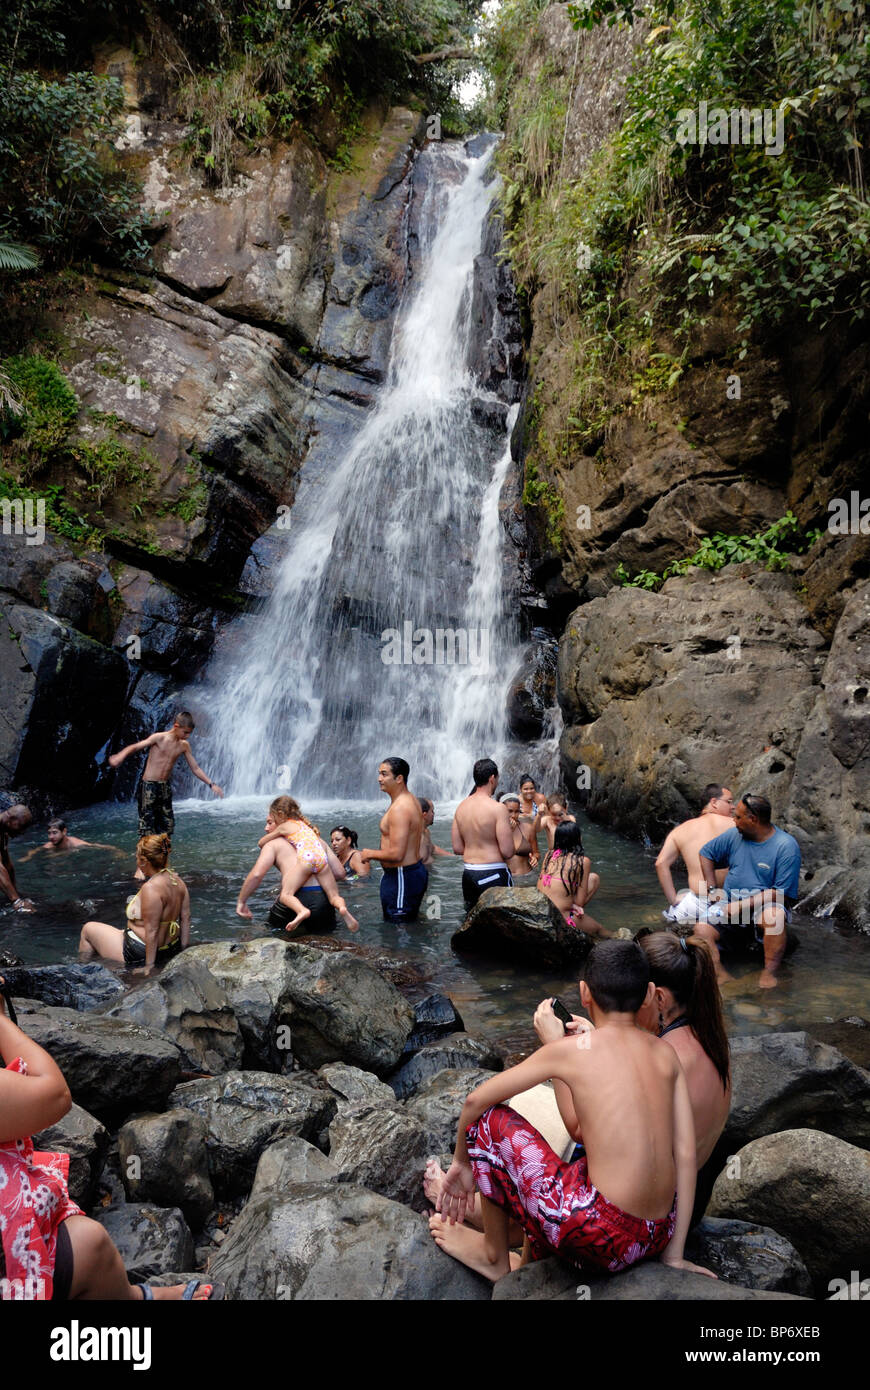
(344, 841)
(304, 838)
(566, 878)
(158, 918)
(49, 1250)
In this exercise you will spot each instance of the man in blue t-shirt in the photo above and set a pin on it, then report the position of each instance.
(762, 883)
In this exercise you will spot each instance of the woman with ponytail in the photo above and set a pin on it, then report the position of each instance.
(686, 1013)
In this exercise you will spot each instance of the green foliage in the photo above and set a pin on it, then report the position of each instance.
(61, 187)
(60, 516)
(539, 493)
(14, 256)
(48, 408)
(772, 548)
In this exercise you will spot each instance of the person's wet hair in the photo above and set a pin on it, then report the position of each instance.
(18, 818)
(526, 778)
(568, 842)
(184, 719)
(557, 799)
(287, 808)
(617, 975)
(57, 825)
(757, 806)
(425, 804)
(685, 967)
(398, 767)
(712, 792)
(154, 849)
(483, 769)
(347, 833)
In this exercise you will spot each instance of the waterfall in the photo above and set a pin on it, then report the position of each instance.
(386, 632)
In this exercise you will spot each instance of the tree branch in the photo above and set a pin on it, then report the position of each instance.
(440, 55)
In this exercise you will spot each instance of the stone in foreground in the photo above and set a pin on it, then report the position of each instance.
(520, 924)
(323, 1241)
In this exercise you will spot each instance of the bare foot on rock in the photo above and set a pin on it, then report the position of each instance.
(469, 1248)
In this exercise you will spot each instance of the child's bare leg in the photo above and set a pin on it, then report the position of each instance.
(471, 1248)
(326, 879)
(292, 880)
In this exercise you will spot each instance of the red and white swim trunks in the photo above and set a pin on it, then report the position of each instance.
(559, 1210)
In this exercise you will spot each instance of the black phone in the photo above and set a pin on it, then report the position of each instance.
(561, 1012)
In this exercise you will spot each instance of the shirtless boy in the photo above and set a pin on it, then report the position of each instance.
(482, 834)
(518, 863)
(405, 877)
(626, 1096)
(686, 840)
(155, 790)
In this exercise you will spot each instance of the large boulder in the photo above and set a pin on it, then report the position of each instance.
(651, 709)
(336, 1242)
(80, 987)
(851, 1036)
(186, 1004)
(111, 1067)
(246, 1111)
(812, 1188)
(256, 978)
(437, 1104)
(87, 1143)
(520, 924)
(384, 1150)
(343, 1010)
(456, 1051)
(433, 1017)
(163, 1159)
(288, 1163)
(151, 1240)
(791, 1081)
(751, 1256)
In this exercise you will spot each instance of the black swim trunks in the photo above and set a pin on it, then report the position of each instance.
(402, 891)
(476, 878)
(134, 949)
(156, 815)
(323, 916)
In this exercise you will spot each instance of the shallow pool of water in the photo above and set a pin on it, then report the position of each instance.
(215, 846)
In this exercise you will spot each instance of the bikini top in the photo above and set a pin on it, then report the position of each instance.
(134, 913)
(681, 1022)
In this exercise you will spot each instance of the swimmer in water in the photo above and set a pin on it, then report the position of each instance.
(312, 859)
(518, 863)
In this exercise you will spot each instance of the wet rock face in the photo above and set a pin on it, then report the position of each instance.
(60, 692)
(87, 1142)
(187, 1005)
(495, 350)
(151, 1240)
(164, 1160)
(655, 687)
(81, 987)
(533, 690)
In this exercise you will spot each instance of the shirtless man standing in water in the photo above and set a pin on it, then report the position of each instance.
(686, 841)
(405, 877)
(482, 834)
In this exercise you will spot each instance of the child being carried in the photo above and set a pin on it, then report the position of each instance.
(311, 856)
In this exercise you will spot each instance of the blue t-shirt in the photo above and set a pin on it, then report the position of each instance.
(754, 864)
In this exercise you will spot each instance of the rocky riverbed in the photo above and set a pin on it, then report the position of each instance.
(263, 1111)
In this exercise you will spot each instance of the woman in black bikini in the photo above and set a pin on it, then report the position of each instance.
(344, 841)
(158, 918)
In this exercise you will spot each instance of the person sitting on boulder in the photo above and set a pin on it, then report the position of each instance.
(554, 814)
(629, 1103)
(49, 1250)
(12, 822)
(762, 883)
(684, 842)
(567, 879)
(158, 917)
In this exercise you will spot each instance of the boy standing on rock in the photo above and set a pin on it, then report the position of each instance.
(626, 1096)
(154, 795)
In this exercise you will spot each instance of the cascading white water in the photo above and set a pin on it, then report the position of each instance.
(386, 631)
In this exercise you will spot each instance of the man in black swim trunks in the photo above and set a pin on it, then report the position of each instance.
(482, 834)
(154, 795)
(280, 855)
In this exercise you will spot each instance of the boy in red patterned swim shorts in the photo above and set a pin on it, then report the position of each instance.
(630, 1196)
